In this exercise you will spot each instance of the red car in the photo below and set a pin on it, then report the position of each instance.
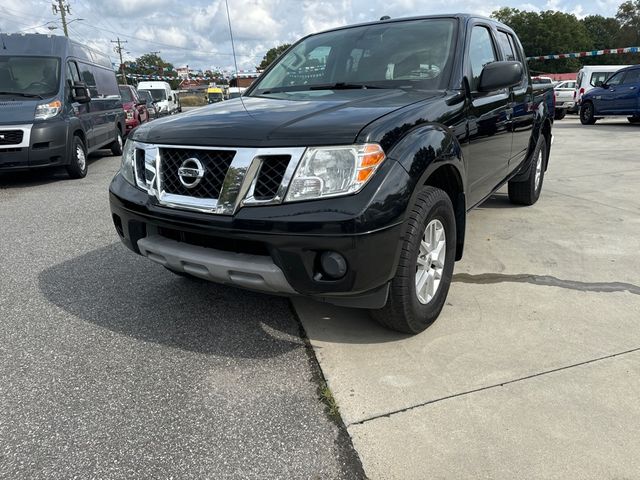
(134, 107)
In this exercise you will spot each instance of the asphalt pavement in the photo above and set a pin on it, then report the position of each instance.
(112, 367)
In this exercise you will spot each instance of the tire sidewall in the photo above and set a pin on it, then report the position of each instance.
(422, 315)
(584, 118)
(74, 167)
(541, 147)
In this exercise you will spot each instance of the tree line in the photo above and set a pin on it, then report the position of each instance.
(553, 32)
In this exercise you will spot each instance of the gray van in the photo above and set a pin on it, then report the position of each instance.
(59, 101)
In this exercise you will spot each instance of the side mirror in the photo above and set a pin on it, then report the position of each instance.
(80, 93)
(497, 75)
(600, 84)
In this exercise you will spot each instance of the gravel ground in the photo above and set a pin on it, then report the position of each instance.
(112, 367)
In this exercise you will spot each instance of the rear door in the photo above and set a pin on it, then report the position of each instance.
(628, 92)
(489, 119)
(520, 101)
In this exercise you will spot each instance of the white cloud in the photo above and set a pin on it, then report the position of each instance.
(195, 32)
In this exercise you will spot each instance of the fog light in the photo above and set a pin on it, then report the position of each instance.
(333, 265)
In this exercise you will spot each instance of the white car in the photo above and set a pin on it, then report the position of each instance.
(564, 98)
(165, 99)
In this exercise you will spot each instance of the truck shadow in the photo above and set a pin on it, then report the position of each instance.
(126, 294)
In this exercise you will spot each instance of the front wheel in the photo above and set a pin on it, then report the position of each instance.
(116, 146)
(587, 114)
(77, 167)
(419, 289)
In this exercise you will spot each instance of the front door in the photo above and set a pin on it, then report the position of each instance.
(628, 93)
(489, 121)
(605, 100)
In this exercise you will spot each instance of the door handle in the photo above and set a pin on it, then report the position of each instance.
(632, 88)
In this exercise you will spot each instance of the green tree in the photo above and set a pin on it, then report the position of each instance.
(603, 32)
(272, 54)
(629, 18)
(546, 33)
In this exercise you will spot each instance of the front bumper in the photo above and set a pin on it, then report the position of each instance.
(259, 250)
(44, 146)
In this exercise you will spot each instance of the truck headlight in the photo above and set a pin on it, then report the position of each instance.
(129, 114)
(48, 110)
(333, 171)
(126, 169)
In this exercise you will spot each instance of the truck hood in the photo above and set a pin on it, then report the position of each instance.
(301, 118)
(16, 112)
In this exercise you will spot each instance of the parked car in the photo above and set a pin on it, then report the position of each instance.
(235, 92)
(214, 95)
(589, 76)
(564, 98)
(162, 95)
(546, 81)
(618, 95)
(177, 100)
(59, 102)
(348, 182)
(151, 105)
(135, 108)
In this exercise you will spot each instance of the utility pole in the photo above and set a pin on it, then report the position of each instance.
(62, 8)
(118, 50)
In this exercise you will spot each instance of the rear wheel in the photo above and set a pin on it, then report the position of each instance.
(116, 146)
(528, 191)
(587, 114)
(77, 167)
(419, 289)
(560, 113)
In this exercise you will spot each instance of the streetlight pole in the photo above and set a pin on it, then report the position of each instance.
(62, 8)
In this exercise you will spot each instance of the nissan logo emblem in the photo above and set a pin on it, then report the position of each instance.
(191, 172)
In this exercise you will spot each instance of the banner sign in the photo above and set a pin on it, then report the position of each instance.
(592, 53)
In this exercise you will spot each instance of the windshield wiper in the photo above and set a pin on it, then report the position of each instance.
(20, 94)
(343, 86)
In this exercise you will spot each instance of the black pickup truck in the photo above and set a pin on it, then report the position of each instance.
(345, 173)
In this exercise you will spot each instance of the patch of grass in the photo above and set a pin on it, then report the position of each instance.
(193, 101)
(330, 404)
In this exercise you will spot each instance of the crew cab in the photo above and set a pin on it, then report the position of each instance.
(346, 171)
(618, 95)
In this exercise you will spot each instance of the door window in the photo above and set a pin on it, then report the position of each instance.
(615, 79)
(508, 51)
(599, 77)
(89, 78)
(632, 76)
(72, 73)
(481, 52)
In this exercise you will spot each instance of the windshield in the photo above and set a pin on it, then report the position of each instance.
(29, 76)
(215, 96)
(389, 55)
(158, 94)
(125, 93)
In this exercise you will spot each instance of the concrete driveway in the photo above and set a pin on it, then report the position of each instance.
(533, 368)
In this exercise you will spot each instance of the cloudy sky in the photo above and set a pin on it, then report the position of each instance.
(195, 32)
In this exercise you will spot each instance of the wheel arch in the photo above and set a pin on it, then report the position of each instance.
(432, 156)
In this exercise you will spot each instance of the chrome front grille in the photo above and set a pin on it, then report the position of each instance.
(229, 178)
(216, 164)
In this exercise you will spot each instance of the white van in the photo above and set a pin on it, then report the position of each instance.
(163, 96)
(589, 75)
(235, 92)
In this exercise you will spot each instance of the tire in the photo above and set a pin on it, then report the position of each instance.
(77, 167)
(405, 311)
(633, 119)
(116, 146)
(587, 114)
(527, 192)
(560, 114)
